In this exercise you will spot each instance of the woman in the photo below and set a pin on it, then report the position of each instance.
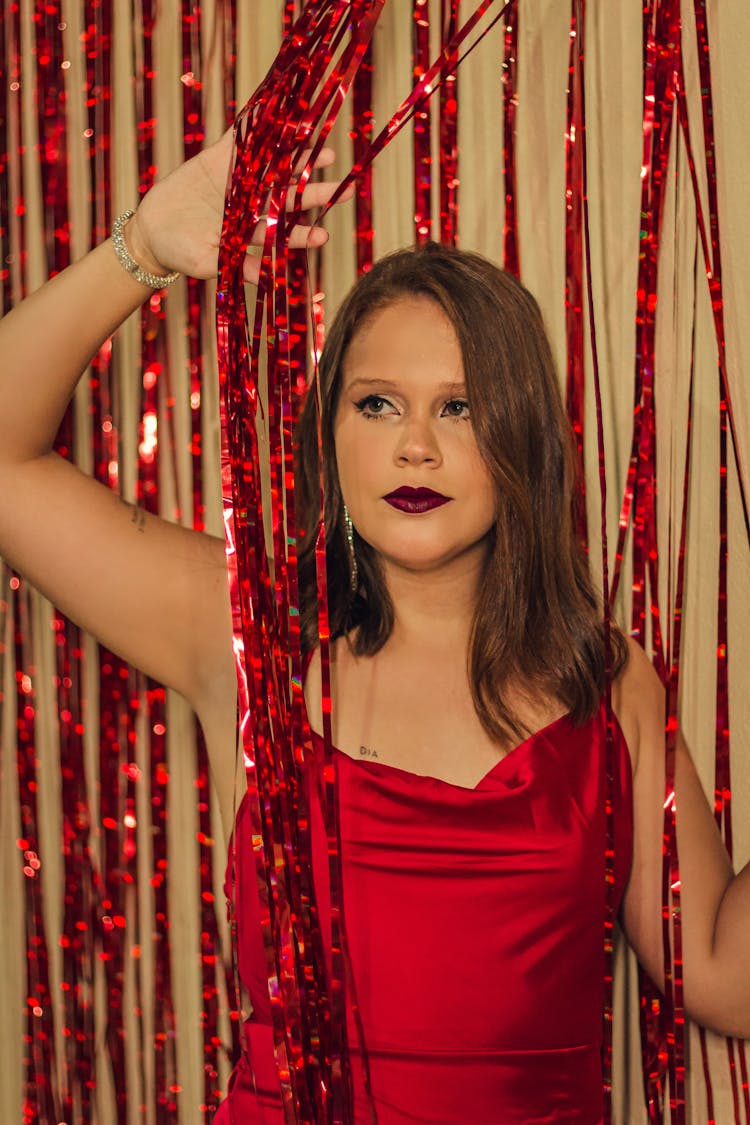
(466, 675)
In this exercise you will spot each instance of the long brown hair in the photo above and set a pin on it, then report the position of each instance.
(538, 621)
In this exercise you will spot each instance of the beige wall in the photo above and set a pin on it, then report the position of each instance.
(615, 139)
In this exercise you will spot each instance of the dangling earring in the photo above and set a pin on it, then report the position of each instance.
(353, 570)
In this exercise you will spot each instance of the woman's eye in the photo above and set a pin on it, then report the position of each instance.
(456, 408)
(373, 406)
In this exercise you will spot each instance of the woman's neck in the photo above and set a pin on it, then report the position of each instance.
(435, 608)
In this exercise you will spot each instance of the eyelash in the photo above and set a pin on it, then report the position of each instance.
(368, 400)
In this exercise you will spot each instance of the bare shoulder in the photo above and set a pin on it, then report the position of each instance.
(340, 659)
(638, 701)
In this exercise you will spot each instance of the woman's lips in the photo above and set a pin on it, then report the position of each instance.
(415, 500)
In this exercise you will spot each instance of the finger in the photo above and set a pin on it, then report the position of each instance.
(319, 195)
(324, 159)
(251, 269)
(301, 236)
(307, 237)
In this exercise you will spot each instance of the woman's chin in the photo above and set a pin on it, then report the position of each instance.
(420, 559)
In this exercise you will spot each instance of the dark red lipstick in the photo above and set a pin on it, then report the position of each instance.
(415, 500)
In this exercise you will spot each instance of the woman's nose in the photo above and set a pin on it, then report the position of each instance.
(417, 443)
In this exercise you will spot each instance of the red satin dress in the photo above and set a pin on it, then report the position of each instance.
(475, 925)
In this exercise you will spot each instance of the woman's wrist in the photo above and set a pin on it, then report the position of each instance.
(135, 257)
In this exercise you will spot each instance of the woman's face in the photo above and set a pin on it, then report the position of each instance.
(411, 474)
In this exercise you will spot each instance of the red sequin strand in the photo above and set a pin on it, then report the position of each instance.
(226, 14)
(662, 1019)
(609, 852)
(449, 131)
(155, 390)
(574, 317)
(362, 132)
(511, 253)
(78, 925)
(53, 171)
(290, 15)
(118, 702)
(422, 126)
(194, 138)
(9, 83)
(41, 1096)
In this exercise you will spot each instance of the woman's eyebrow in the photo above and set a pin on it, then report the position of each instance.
(375, 382)
(442, 389)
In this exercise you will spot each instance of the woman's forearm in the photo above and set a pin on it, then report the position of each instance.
(47, 341)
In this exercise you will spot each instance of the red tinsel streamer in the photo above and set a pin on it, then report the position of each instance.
(81, 925)
(662, 1021)
(362, 130)
(290, 16)
(422, 127)
(118, 709)
(511, 256)
(118, 698)
(41, 1097)
(309, 93)
(8, 82)
(78, 903)
(97, 41)
(574, 196)
(303, 97)
(118, 701)
(193, 139)
(155, 375)
(449, 132)
(577, 81)
(10, 61)
(671, 873)
(227, 15)
(298, 283)
(663, 84)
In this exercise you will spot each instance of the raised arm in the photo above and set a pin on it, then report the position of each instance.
(715, 903)
(152, 591)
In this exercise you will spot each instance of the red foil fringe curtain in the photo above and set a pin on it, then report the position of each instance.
(309, 1017)
(663, 1022)
(709, 233)
(315, 1081)
(99, 917)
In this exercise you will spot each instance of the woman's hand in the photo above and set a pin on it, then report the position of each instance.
(178, 224)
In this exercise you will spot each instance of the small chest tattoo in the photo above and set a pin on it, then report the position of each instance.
(366, 752)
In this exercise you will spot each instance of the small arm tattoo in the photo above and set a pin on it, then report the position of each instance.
(137, 516)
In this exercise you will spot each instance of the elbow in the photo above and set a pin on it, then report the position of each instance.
(719, 1002)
